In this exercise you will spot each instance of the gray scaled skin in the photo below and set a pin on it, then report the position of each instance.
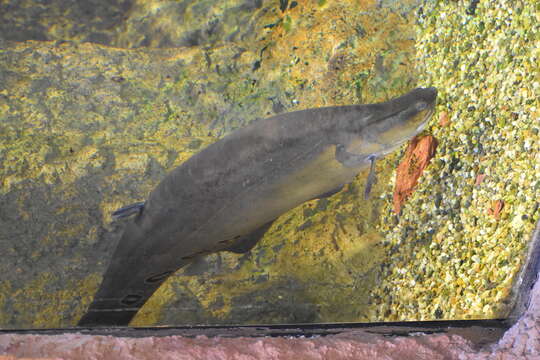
(227, 196)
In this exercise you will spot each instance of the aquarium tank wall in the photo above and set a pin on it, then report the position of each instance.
(251, 162)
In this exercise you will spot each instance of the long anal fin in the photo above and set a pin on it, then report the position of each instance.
(329, 193)
(247, 242)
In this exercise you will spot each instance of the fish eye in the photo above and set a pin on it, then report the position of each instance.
(421, 105)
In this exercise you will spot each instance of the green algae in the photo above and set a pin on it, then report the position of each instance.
(44, 303)
(5, 291)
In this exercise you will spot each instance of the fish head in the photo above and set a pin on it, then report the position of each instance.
(398, 120)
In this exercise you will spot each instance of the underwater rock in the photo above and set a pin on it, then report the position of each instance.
(444, 121)
(479, 179)
(417, 157)
(495, 209)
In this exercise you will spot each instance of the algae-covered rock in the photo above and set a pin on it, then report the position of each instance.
(90, 20)
(137, 23)
(159, 23)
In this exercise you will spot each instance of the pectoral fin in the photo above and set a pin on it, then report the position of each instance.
(247, 242)
(349, 159)
(329, 193)
(372, 177)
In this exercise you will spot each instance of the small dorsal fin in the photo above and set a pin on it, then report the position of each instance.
(128, 210)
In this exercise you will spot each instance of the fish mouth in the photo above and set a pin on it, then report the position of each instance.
(418, 129)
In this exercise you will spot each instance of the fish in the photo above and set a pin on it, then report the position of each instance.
(225, 197)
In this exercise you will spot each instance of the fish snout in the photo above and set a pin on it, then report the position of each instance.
(430, 95)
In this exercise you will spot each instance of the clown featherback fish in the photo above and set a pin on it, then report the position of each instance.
(226, 197)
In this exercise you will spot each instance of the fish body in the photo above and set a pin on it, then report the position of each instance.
(226, 196)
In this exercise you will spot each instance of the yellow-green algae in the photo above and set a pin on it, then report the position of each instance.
(5, 295)
(47, 151)
(447, 256)
(44, 302)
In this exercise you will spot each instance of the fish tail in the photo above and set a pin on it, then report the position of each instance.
(126, 286)
(107, 317)
(116, 307)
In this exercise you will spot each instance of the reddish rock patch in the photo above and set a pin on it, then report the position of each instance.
(496, 208)
(444, 121)
(479, 179)
(417, 157)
